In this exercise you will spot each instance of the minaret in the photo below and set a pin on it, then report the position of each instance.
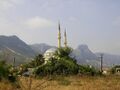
(59, 36)
(65, 38)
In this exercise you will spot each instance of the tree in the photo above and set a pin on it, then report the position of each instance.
(60, 64)
(114, 69)
(39, 60)
(87, 70)
(4, 71)
(64, 51)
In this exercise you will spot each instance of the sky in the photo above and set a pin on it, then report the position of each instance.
(95, 23)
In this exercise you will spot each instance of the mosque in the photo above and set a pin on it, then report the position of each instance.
(50, 52)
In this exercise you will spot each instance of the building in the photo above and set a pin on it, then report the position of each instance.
(50, 52)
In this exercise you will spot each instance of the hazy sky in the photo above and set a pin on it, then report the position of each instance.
(92, 22)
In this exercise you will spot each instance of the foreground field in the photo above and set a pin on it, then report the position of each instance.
(66, 83)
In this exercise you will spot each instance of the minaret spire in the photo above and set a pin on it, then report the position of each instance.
(59, 35)
(65, 38)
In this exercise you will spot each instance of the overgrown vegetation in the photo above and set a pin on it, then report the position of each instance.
(4, 70)
(115, 69)
(56, 69)
(6, 73)
(60, 64)
(88, 70)
(38, 60)
(63, 64)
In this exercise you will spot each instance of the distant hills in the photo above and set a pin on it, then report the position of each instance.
(13, 47)
(84, 55)
(109, 59)
(41, 48)
(14, 44)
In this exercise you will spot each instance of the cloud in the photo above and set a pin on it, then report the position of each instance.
(72, 18)
(38, 22)
(6, 4)
(8, 27)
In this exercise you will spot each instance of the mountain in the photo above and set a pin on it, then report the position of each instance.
(15, 44)
(12, 46)
(109, 59)
(84, 55)
(41, 48)
(9, 55)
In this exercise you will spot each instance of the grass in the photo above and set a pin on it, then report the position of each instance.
(65, 83)
(6, 85)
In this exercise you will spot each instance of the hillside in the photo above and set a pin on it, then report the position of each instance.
(84, 55)
(41, 48)
(12, 47)
(110, 59)
(16, 45)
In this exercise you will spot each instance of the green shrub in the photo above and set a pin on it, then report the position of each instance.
(61, 64)
(87, 70)
(4, 71)
(58, 67)
(38, 60)
(113, 69)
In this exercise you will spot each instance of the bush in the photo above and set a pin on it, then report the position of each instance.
(4, 70)
(12, 78)
(63, 51)
(113, 69)
(87, 70)
(39, 60)
(63, 64)
(58, 67)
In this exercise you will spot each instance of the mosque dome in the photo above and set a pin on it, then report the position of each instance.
(49, 54)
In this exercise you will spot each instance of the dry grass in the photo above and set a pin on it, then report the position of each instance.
(66, 83)
(5, 85)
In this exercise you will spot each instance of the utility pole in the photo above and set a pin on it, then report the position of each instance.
(14, 62)
(101, 62)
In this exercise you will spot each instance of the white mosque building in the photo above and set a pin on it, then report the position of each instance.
(50, 52)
